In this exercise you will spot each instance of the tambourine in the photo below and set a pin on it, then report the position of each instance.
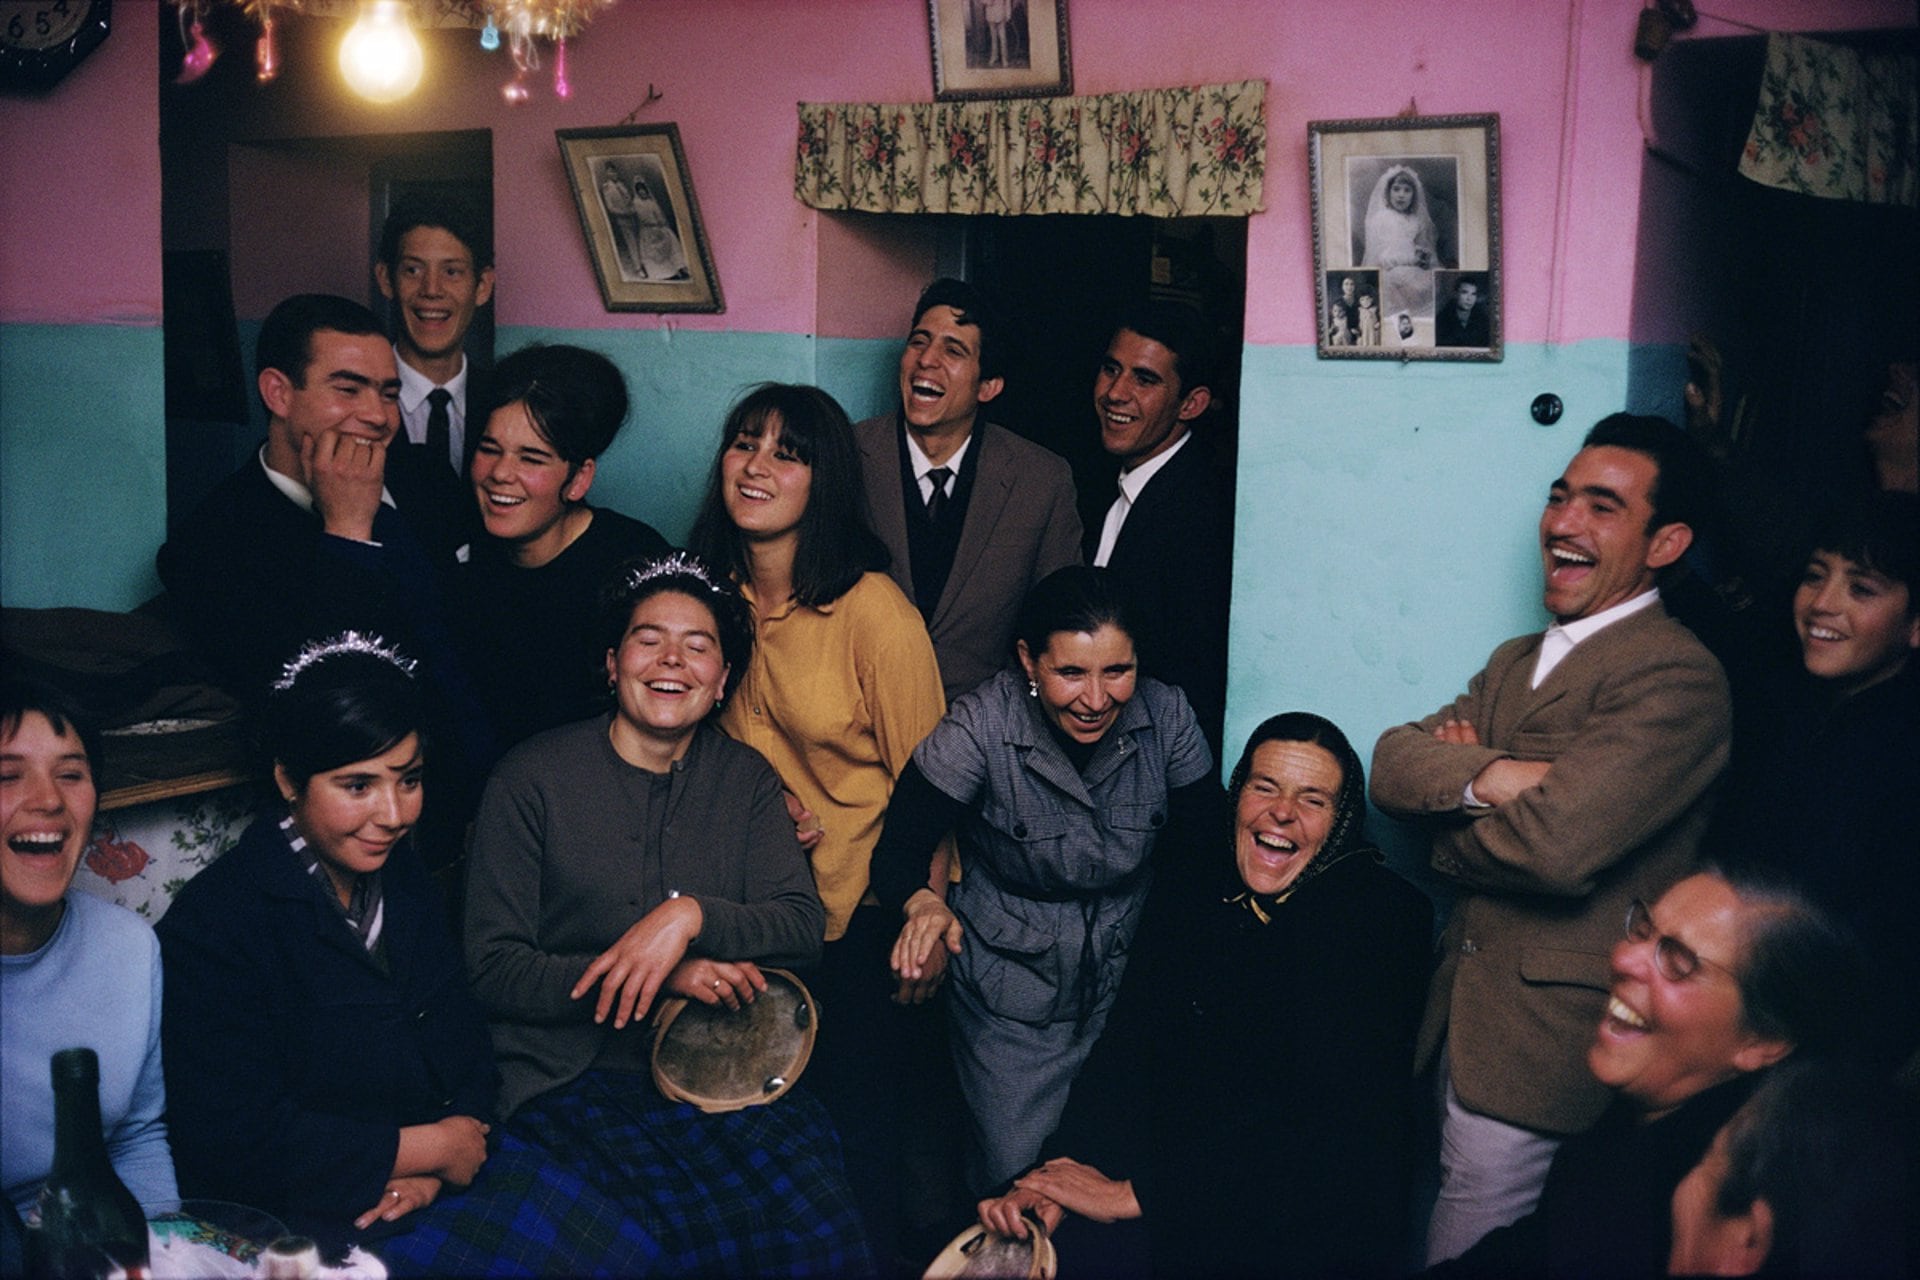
(722, 1059)
(981, 1254)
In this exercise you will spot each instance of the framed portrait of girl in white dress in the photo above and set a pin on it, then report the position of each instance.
(1406, 237)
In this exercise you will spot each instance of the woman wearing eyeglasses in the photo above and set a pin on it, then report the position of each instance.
(1727, 974)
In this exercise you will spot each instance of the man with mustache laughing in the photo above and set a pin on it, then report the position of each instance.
(1572, 777)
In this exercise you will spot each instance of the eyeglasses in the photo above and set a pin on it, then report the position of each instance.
(1675, 960)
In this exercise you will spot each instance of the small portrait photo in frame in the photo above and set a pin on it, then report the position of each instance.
(1462, 309)
(640, 218)
(1413, 203)
(999, 48)
(1353, 307)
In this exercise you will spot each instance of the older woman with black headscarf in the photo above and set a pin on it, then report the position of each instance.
(1250, 1100)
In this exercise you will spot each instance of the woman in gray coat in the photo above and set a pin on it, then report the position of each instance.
(1058, 778)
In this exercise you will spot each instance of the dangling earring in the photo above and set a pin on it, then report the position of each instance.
(1033, 688)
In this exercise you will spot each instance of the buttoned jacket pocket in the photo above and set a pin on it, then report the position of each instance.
(1030, 848)
(1553, 966)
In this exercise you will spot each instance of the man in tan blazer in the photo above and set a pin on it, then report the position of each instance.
(973, 514)
(1571, 778)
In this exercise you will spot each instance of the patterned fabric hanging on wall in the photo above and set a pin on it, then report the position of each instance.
(1166, 152)
(1835, 122)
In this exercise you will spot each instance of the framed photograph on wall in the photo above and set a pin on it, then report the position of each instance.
(640, 218)
(999, 48)
(1406, 237)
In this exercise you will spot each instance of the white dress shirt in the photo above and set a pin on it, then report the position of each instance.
(1132, 484)
(415, 386)
(917, 458)
(1558, 641)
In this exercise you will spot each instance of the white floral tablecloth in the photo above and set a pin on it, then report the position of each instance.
(140, 856)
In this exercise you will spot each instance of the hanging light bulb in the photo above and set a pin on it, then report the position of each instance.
(561, 88)
(380, 56)
(489, 35)
(266, 54)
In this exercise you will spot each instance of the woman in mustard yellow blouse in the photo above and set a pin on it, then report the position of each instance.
(842, 687)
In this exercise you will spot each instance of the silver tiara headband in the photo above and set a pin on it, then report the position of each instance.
(315, 651)
(679, 564)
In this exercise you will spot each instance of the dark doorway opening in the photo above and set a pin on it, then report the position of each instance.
(1806, 300)
(1065, 278)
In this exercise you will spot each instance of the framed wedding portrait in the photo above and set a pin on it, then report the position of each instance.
(1406, 237)
(640, 218)
(999, 49)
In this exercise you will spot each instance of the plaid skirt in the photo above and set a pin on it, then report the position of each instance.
(604, 1177)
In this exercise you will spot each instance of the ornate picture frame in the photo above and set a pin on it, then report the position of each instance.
(998, 49)
(1406, 238)
(640, 218)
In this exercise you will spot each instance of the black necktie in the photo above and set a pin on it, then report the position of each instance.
(439, 425)
(937, 497)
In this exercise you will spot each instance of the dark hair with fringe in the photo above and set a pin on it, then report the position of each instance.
(576, 398)
(1074, 599)
(972, 306)
(639, 580)
(456, 215)
(340, 709)
(286, 335)
(1882, 534)
(19, 698)
(837, 543)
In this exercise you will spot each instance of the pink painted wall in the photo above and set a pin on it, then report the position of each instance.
(80, 188)
(79, 173)
(1563, 79)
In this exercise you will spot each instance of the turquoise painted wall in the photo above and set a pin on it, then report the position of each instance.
(683, 382)
(82, 464)
(1386, 511)
(1386, 537)
(1386, 532)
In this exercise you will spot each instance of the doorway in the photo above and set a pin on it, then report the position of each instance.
(1065, 278)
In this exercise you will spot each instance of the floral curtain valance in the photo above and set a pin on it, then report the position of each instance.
(1167, 152)
(1835, 122)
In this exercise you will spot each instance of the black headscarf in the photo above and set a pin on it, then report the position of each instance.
(1347, 835)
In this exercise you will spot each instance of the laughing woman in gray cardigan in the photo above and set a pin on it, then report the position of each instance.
(645, 854)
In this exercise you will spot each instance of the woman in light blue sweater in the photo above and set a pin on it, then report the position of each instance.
(74, 970)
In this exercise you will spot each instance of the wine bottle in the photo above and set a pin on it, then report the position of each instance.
(85, 1210)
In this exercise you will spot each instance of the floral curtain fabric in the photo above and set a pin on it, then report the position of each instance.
(1166, 152)
(1835, 122)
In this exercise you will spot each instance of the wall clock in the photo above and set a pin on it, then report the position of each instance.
(42, 40)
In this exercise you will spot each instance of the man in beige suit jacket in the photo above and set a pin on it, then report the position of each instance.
(973, 514)
(1573, 777)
